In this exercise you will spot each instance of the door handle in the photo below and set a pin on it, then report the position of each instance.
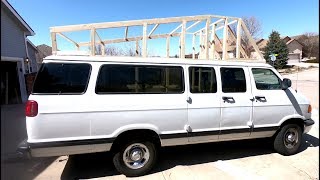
(189, 100)
(260, 98)
(226, 98)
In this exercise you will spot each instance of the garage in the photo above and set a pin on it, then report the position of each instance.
(294, 58)
(13, 89)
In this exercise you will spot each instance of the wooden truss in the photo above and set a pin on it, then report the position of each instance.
(210, 45)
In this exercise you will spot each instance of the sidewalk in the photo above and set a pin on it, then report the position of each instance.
(307, 83)
(305, 65)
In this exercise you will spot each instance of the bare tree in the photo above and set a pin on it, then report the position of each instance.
(310, 42)
(254, 26)
(113, 51)
(255, 30)
(43, 51)
(119, 51)
(132, 51)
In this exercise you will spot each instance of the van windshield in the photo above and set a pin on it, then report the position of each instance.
(62, 78)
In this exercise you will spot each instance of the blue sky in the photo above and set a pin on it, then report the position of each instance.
(288, 17)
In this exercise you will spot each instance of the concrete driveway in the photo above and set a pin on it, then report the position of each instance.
(249, 159)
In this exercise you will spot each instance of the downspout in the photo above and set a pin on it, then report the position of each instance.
(27, 53)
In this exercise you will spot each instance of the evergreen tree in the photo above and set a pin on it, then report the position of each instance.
(276, 46)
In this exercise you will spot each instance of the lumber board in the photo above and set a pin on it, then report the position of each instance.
(153, 29)
(238, 43)
(225, 40)
(207, 42)
(183, 39)
(144, 40)
(54, 42)
(104, 25)
(251, 40)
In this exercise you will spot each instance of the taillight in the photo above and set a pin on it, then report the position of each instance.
(31, 108)
(309, 108)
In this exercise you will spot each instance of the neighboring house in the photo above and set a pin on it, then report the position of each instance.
(294, 46)
(295, 49)
(17, 55)
(262, 43)
(189, 56)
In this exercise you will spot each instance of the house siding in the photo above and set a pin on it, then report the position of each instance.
(294, 47)
(32, 58)
(295, 52)
(262, 44)
(12, 37)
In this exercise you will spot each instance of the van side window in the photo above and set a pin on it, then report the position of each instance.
(202, 80)
(233, 80)
(62, 78)
(117, 79)
(265, 79)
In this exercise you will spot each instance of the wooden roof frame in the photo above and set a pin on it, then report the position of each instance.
(206, 34)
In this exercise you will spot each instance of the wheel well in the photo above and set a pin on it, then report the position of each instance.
(297, 121)
(145, 134)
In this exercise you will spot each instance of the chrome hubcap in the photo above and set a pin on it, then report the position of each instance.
(291, 138)
(136, 156)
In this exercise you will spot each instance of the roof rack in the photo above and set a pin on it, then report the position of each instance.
(210, 45)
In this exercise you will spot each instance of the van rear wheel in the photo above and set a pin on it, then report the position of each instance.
(288, 140)
(135, 158)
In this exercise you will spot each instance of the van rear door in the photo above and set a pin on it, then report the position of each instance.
(60, 92)
(203, 103)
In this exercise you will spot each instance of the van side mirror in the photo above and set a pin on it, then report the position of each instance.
(285, 84)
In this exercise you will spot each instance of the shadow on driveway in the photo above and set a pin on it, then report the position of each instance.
(13, 131)
(23, 168)
(100, 164)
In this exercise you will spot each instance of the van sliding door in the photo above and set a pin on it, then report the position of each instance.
(236, 103)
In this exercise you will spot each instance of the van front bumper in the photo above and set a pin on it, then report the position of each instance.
(308, 123)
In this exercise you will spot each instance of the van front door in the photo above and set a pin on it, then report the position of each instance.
(236, 103)
(203, 104)
(271, 103)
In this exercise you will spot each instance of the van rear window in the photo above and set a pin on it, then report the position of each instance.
(62, 78)
(119, 79)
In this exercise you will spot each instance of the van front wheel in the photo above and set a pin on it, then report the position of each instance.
(135, 158)
(288, 140)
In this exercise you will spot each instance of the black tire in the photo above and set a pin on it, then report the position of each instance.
(121, 166)
(281, 143)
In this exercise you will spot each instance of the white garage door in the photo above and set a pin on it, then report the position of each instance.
(294, 57)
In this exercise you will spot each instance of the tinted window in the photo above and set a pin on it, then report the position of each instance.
(139, 79)
(202, 80)
(62, 78)
(265, 79)
(233, 80)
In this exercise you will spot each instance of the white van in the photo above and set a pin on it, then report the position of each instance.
(132, 106)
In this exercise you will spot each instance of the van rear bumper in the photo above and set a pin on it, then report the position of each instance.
(24, 149)
(308, 123)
